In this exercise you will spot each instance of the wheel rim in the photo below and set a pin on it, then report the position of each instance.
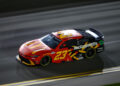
(45, 61)
(90, 53)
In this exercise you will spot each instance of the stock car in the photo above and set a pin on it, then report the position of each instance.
(61, 46)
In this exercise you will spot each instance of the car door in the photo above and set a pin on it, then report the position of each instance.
(60, 53)
(71, 53)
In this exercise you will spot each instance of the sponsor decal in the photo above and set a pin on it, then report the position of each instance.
(35, 46)
(82, 47)
(101, 42)
(32, 42)
(35, 51)
(60, 55)
(62, 35)
(78, 49)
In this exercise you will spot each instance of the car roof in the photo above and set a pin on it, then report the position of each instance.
(67, 34)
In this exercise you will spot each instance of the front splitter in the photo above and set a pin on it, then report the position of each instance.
(31, 63)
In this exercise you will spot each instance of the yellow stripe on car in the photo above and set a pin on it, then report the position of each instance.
(31, 63)
(35, 46)
(81, 51)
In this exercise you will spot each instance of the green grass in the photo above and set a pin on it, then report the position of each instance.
(115, 84)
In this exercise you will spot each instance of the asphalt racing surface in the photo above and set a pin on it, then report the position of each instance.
(16, 30)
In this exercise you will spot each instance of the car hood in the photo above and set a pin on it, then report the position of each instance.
(32, 46)
(37, 44)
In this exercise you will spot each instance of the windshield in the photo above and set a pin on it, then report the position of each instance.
(51, 41)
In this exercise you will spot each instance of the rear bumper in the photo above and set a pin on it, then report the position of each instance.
(24, 60)
(100, 49)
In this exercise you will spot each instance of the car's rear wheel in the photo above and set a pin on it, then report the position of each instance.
(45, 61)
(90, 53)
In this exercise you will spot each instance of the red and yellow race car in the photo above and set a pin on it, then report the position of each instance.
(61, 46)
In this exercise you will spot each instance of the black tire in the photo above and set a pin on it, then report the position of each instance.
(45, 61)
(90, 53)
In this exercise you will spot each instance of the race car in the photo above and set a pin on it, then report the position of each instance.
(62, 46)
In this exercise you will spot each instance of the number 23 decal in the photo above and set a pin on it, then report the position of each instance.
(60, 55)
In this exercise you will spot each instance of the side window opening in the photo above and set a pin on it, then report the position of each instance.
(82, 41)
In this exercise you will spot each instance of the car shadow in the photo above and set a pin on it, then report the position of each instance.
(85, 65)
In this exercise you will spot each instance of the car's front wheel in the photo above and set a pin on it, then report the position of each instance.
(45, 61)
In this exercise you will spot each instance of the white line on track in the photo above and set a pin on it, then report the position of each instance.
(39, 81)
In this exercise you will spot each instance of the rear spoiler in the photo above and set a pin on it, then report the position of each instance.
(92, 30)
(97, 32)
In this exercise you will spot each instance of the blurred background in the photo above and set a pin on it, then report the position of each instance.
(25, 6)
(24, 20)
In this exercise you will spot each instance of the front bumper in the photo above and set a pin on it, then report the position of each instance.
(25, 61)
